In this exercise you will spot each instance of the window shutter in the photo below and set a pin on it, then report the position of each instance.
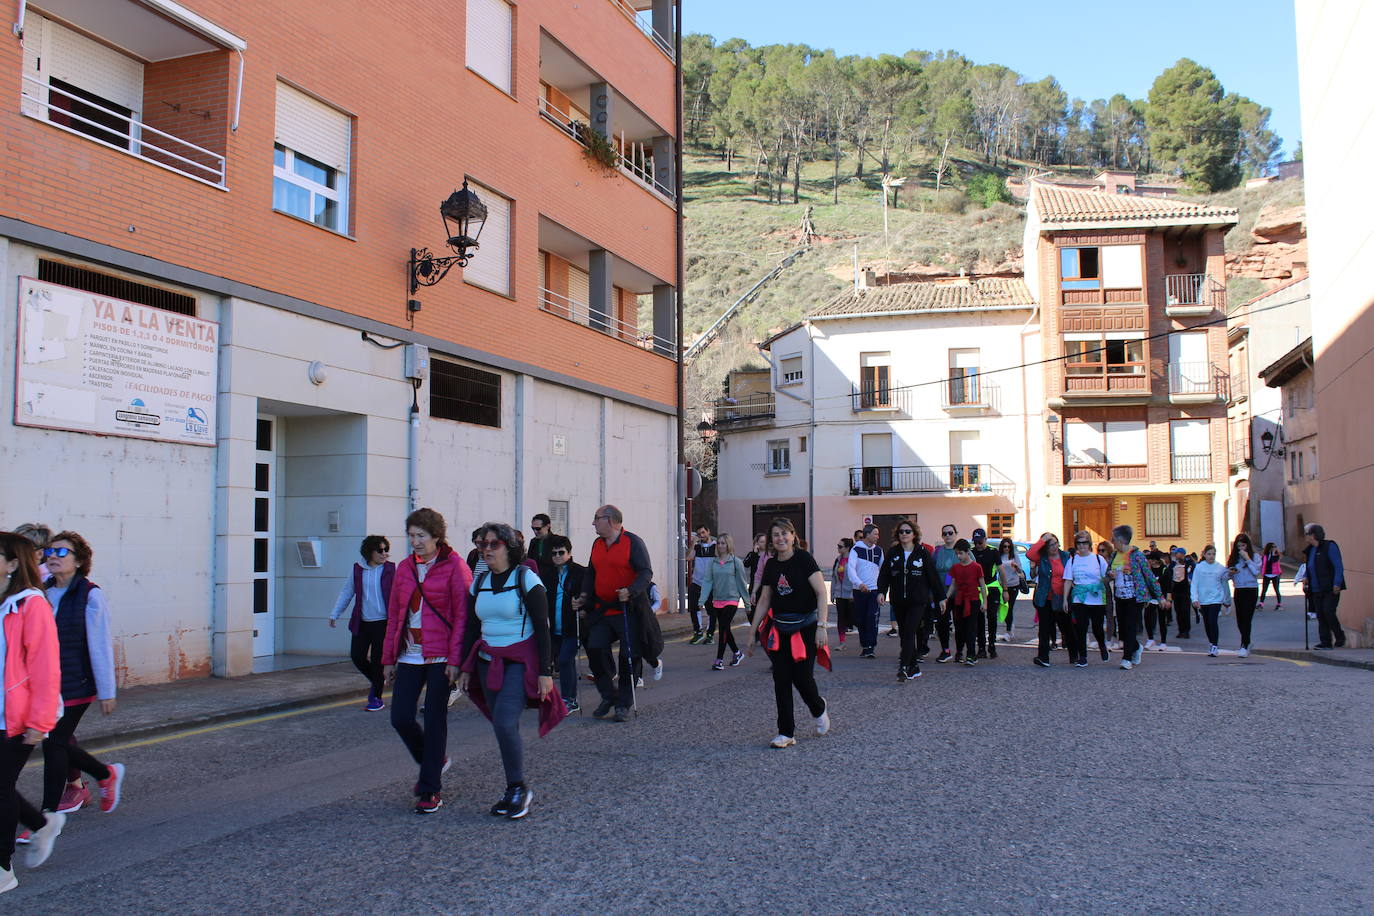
(1126, 442)
(1083, 443)
(877, 450)
(489, 41)
(89, 65)
(1190, 437)
(1121, 267)
(963, 359)
(312, 128)
(579, 284)
(490, 265)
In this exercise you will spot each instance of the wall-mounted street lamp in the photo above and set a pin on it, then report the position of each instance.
(1051, 426)
(1272, 445)
(464, 214)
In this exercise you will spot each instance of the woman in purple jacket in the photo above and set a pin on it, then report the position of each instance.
(424, 636)
(368, 590)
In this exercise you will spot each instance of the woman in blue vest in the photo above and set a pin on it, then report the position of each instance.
(86, 649)
(369, 591)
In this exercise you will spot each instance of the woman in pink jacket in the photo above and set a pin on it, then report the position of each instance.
(31, 673)
(424, 638)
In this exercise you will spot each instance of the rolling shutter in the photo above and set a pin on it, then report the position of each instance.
(489, 41)
(312, 128)
(490, 265)
(579, 285)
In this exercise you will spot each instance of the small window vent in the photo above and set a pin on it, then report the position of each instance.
(115, 287)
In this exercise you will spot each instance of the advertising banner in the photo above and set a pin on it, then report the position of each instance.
(93, 364)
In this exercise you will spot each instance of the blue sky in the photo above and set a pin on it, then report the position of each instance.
(1093, 49)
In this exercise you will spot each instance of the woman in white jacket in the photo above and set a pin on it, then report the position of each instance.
(1211, 592)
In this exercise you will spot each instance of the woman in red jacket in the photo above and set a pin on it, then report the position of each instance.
(424, 638)
(32, 679)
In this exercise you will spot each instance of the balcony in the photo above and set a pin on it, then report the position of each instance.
(744, 413)
(119, 130)
(971, 395)
(944, 479)
(633, 159)
(1241, 448)
(1105, 473)
(1190, 467)
(581, 313)
(1197, 383)
(639, 12)
(894, 399)
(1239, 388)
(1119, 383)
(1192, 294)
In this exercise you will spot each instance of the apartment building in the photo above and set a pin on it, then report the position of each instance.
(1260, 333)
(239, 342)
(1132, 298)
(903, 401)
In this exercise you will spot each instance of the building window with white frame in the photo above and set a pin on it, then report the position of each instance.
(310, 160)
(780, 456)
(489, 45)
(790, 371)
(490, 266)
(1121, 442)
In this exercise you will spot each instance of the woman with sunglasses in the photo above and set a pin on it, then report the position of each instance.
(424, 639)
(562, 583)
(912, 585)
(1085, 578)
(507, 659)
(1012, 577)
(940, 617)
(368, 590)
(87, 655)
(31, 674)
(1047, 572)
(841, 592)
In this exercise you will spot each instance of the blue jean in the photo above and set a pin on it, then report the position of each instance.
(566, 649)
(428, 744)
(506, 706)
(866, 616)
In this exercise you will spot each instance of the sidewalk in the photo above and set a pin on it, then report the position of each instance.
(1280, 634)
(147, 712)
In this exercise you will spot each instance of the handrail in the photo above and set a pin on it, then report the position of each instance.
(581, 313)
(637, 166)
(959, 478)
(1196, 378)
(1191, 467)
(632, 14)
(135, 135)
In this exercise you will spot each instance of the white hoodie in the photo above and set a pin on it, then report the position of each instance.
(864, 563)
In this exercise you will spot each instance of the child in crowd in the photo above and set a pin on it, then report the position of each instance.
(967, 597)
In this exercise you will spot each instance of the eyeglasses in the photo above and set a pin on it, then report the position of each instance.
(559, 553)
(601, 518)
(56, 551)
(490, 543)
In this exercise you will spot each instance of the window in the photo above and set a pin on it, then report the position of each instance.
(89, 87)
(489, 41)
(963, 377)
(1112, 354)
(490, 266)
(1000, 525)
(779, 456)
(875, 380)
(1161, 520)
(790, 371)
(310, 160)
(801, 445)
(1079, 269)
(1119, 442)
(1121, 267)
(464, 393)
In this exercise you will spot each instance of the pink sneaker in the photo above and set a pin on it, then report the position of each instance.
(74, 797)
(110, 787)
(23, 838)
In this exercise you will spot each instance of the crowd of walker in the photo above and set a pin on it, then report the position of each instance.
(501, 624)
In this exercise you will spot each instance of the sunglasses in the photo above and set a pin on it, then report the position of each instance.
(490, 543)
(56, 551)
(536, 526)
(1089, 543)
(382, 550)
(559, 553)
(906, 531)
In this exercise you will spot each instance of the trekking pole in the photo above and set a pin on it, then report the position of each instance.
(629, 650)
(1306, 606)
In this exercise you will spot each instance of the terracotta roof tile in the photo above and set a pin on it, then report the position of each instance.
(930, 296)
(1058, 204)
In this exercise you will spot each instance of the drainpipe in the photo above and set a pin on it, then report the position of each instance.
(413, 449)
(811, 447)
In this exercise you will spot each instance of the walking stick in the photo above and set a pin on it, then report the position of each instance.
(1306, 606)
(629, 649)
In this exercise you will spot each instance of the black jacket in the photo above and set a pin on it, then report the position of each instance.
(909, 580)
(566, 616)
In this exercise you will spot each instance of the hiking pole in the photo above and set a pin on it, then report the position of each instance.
(629, 649)
(1306, 606)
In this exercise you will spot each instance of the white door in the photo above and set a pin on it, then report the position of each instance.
(264, 537)
(876, 451)
(1271, 522)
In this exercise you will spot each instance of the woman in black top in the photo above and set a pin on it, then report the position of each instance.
(793, 624)
(909, 579)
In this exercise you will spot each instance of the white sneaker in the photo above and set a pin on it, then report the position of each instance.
(658, 670)
(8, 881)
(1149, 645)
(1135, 656)
(1126, 664)
(41, 847)
(823, 721)
(639, 682)
(782, 741)
(1311, 616)
(1162, 647)
(1092, 644)
(1213, 652)
(453, 695)
(1244, 652)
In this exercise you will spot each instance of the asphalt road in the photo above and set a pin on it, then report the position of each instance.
(1206, 785)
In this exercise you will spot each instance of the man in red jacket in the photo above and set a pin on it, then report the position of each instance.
(615, 593)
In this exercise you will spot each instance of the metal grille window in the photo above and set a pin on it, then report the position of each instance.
(1161, 520)
(1000, 525)
(464, 393)
(115, 287)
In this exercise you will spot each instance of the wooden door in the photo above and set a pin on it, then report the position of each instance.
(1095, 519)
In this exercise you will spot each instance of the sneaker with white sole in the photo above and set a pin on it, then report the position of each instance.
(111, 787)
(1213, 652)
(823, 721)
(739, 657)
(782, 741)
(520, 798)
(23, 838)
(1126, 664)
(1149, 645)
(1135, 656)
(41, 847)
(658, 670)
(1244, 652)
(8, 881)
(74, 797)
(1162, 647)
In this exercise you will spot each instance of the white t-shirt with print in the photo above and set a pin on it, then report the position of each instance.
(414, 653)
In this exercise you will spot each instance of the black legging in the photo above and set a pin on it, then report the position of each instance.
(1085, 615)
(1210, 613)
(939, 621)
(789, 673)
(59, 752)
(1264, 592)
(1155, 614)
(366, 651)
(1128, 625)
(1009, 599)
(723, 617)
(1246, 599)
(1183, 609)
(14, 809)
(910, 619)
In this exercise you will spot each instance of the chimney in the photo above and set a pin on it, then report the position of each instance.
(867, 279)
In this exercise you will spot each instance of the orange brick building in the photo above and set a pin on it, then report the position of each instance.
(267, 169)
(1133, 302)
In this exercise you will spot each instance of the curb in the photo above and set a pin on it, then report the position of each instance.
(1320, 658)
